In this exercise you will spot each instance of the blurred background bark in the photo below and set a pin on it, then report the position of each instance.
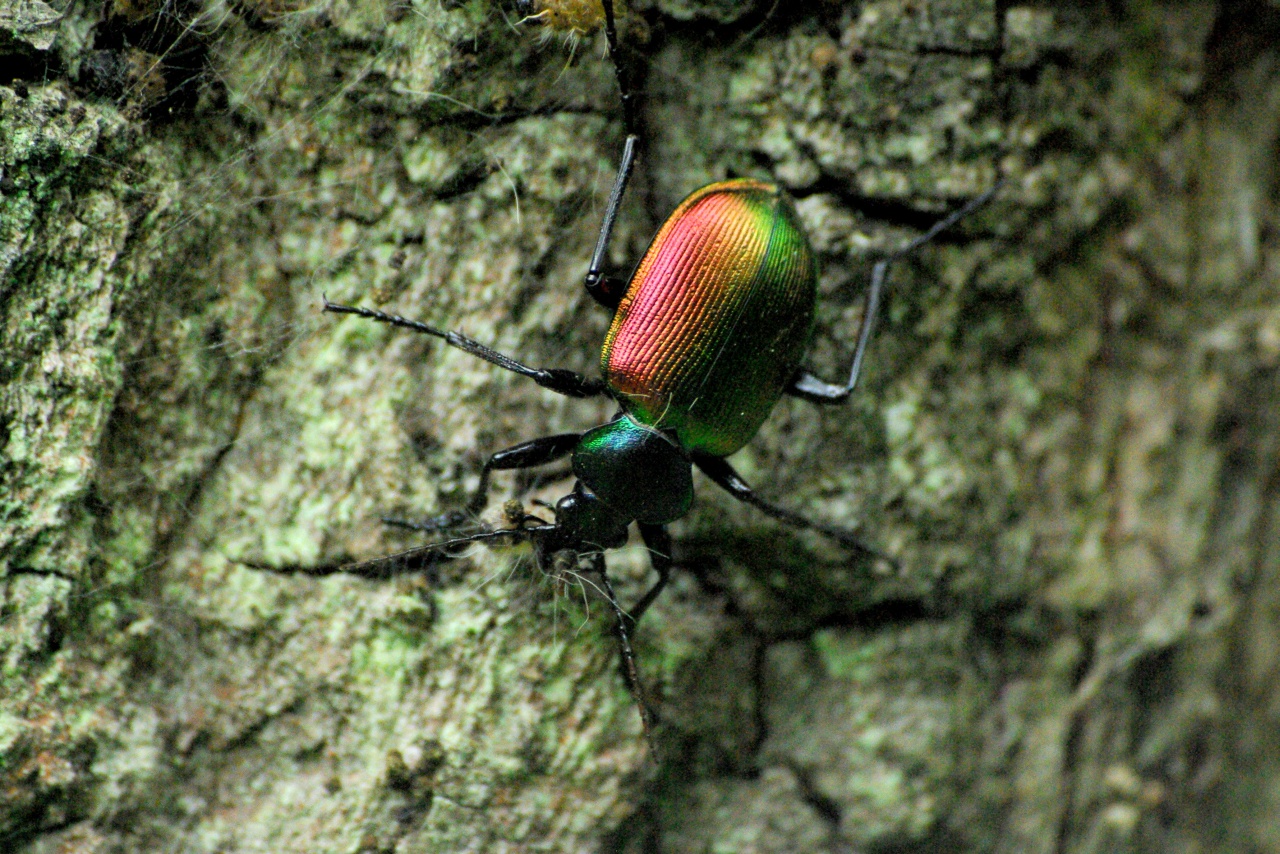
(1067, 437)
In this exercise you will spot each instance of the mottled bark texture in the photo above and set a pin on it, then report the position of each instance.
(1068, 438)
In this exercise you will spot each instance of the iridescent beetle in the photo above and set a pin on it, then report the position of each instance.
(707, 335)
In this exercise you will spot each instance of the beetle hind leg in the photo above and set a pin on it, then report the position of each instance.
(806, 385)
(605, 289)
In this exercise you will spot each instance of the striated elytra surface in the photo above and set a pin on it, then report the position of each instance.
(716, 317)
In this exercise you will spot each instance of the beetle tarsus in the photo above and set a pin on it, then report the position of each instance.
(624, 87)
(947, 221)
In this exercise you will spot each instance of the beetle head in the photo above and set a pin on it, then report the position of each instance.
(583, 519)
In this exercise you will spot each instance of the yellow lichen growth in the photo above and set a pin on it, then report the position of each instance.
(572, 19)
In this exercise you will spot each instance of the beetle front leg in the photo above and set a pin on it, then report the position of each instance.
(607, 290)
(559, 380)
(535, 452)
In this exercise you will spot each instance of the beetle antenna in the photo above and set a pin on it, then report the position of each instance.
(420, 557)
(629, 669)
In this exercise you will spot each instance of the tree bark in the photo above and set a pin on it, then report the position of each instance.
(1066, 438)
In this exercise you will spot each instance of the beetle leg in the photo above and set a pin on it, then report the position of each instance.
(658, 542)
(526, 455)
(624, 87)
(719, 470)
(806, 386)
(559, 380)
(608, 290)
(630, 672)
(809, 387)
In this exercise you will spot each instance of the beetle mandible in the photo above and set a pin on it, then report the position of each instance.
(707, 335)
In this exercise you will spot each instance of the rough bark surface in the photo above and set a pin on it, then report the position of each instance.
(1068, 438)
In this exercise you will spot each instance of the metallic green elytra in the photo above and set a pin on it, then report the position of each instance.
(716, 318)
(643, 473)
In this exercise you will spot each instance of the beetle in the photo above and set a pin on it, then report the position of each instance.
(708, 333)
